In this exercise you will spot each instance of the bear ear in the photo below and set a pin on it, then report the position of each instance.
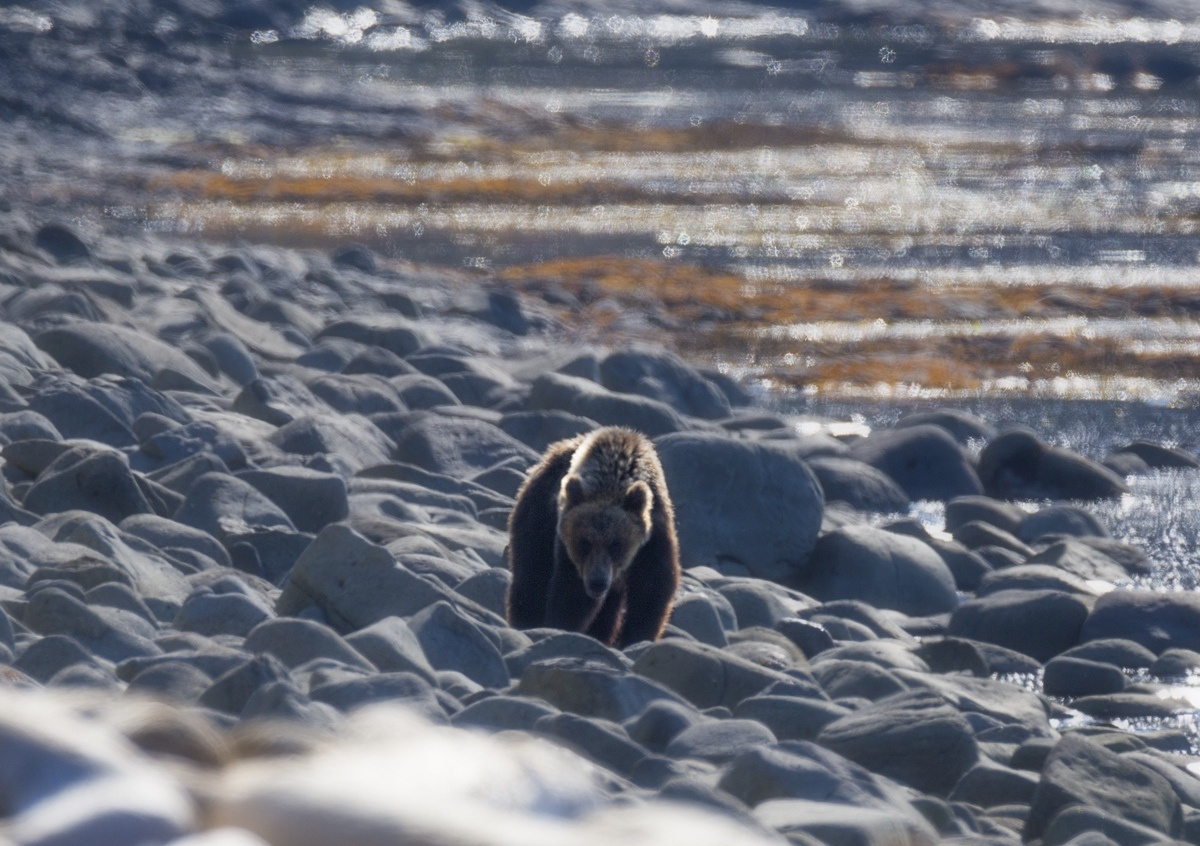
(638, 499)
(572, 492)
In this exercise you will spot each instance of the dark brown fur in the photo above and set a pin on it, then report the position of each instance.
(592, 543)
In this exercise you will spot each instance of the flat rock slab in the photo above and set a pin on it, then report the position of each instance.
(704, 675)
(592, 688)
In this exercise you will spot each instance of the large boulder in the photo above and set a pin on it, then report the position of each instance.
(663, 376)
(881, 568)
(356, 583)
(1080, 771)
(1037, 623)
(585, 398)
(924, 460)
(458, 446)
(99, 481)
(913, 737)
(857, 484)
(1156, 620)
(753, 504)
(1017, 464)
(92, 349)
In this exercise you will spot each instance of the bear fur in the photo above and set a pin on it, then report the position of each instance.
(592, 544)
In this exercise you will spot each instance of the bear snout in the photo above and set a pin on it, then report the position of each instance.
(597, 583)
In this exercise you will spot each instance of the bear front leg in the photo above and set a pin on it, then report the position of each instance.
(568, 605)
(651, 583)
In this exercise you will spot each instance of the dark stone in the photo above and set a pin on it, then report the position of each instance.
(1038, 623)
(925, 461)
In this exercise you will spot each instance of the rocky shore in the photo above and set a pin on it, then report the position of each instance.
(252, 581)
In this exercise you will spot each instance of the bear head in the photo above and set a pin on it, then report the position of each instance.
(602, 534)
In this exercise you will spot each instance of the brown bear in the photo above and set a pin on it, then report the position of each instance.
(592, 543)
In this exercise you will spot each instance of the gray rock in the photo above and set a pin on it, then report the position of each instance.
(232, 357)
(97, 481)
(226, 507)
(105, 632)
(419, 391)
(169, 535)
(180, 475)
(27, 425)
(558, 644)
(1175, 663)
(1116, 651)
(755, 603)
(1033, 577)
(661, 722)
(790, 717)
(488, 588)
(807, 821)
(356, 583)
(55, 758)
(1018, 465)
(282, 700)
(881, 568)
(232, 689)
(600, 740)
(277, 400)
(1038, 623)
(963, 426)
(703, 675)
(93, 349)
(310, 498)
(451, 641)
(46, 656)
(538, 429)
(408, 688)
(1060, 519)
(359, 393)
(1068, 676)
(591, 688)
(393, 332)
(664, 376)
(752, 504)
(978, 533)
(180, 442)
(857, 484)
(208, 612)
(987, 784)
(719, 741)
(458, 446)
(174, 680)
(1000, 701)
(498, 713)
(1157, 621)
(1081, 771)
(585, 398)
(966, 509)
(857, 679)
(924, 460)
(391, 646)
(913, 737)
(695, 614)
(802, 770)
(885, 653)
(354, 439)
(295, 641)
(1157, 456)
(1075, 557)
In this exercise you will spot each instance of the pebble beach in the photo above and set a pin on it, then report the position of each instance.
(257, 481)
(253, 583)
